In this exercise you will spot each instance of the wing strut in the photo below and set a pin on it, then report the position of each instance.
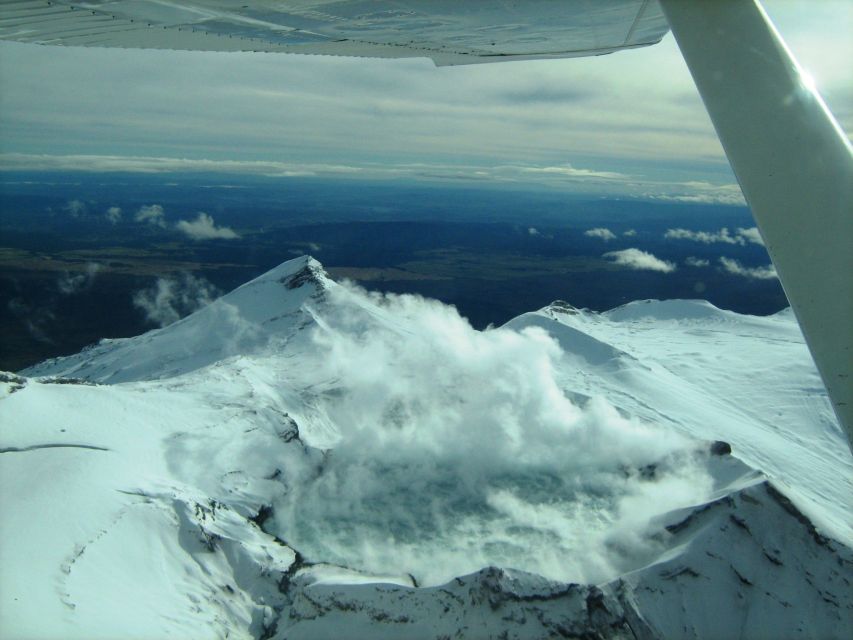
(794, 165)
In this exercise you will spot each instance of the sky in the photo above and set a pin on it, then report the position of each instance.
(629, 123)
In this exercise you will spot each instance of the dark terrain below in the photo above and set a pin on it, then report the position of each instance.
(68, 275)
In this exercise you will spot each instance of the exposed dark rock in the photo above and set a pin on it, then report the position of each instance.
(682, 571)
(82, 381)
(210, 540)
(788, 506)
(52, 446)
(743, 580)
(11, 378)
(649, 472)
(740, 523)
(309, 274)
(264, 514)
(697, 513)
(268, 631)
(287, 577)
(289, 431)
(561, 306)
(720, 448)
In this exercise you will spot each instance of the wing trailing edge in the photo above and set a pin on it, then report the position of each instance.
(446, 31)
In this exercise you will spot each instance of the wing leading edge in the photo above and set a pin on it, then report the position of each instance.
(447, 31)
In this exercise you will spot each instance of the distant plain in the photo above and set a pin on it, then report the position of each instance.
(494, 253)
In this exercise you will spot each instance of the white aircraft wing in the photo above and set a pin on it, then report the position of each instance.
(447, 31)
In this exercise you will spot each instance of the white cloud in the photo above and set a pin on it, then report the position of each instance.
(600, 232)
(630, 233)
(699, 192)
(71, 283)
(152, 214)
(533, 231)
(568, 171)
(425, 451)
(692, 261)
(204, 228)
(565, 177)
(555, 176)
(76, 208)
(640, 260)
(170, 299)
(705, 237)
(741, 237)
(113, 214)
(755, 273)
(751, 235)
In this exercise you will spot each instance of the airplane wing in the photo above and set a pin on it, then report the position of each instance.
(449, 32)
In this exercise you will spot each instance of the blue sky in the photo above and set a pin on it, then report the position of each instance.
(628, 123)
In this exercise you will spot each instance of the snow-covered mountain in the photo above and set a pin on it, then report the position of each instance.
(302, 459)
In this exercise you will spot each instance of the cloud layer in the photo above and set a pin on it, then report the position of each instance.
(584, 120)
(701, 192)
(563, 177)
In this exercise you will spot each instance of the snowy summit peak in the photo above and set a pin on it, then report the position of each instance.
(290, 269)
(268, 309)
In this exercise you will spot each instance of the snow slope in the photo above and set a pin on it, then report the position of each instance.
(302, 459)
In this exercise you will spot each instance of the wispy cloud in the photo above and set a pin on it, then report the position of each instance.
(568, 177)
(568, 171)
(37, 309)
(204, 228)
(155, 165)
(152, 214)
(630, 233)
(416, 417)
(76, 208)
(588, 179)
(71, 283)
(699, 192)
(35, 318)
(170, 299)
(742, 236)
(692, 261)
(734, 267)
(437, 170)
(640, 260)
(751, 235)
(600, 232)
(705, 237)
(113, 214)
